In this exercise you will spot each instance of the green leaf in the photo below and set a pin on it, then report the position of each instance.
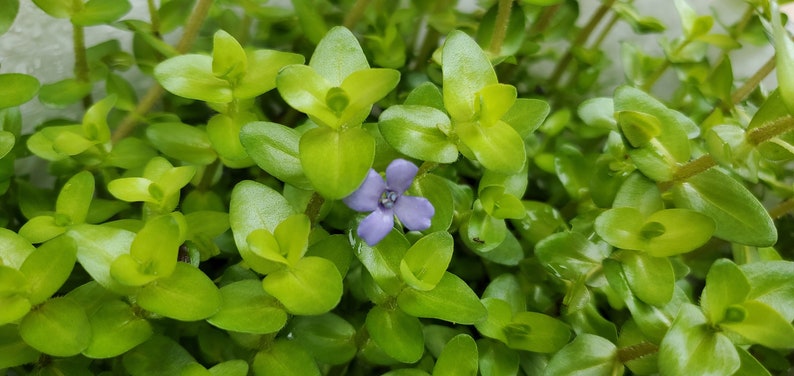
(255, 206)
(598, 113)
(224, 134)
(285, 358)
(247, 308)
(726, 285)
(436, 190)
(311, 286)
(98, 12)
(657, 153)
(459, 357)
(536, 332)
(292, 236)
(526, 115)
(13, 295)
(63, 93)
(7, 141)
(338, 55)
(383, 260)
(13, 350)
(498, 147)
(263, 66)
(7, 17)
(191, 76)
(466, 71)
(57, 8)
(274, 148)
(365, 87)
(59, 327)
(761, 324)
(160, 355)
(14, 249)
(661, 234)
(693, 24)
(310, 20)
(306, 91)
(48, 267)
(186, 295)
(116, 329)
(451, 300)
(738, 215)
(17, 88)
(228, 57)
(496, 359)
(75, 197)
(770, 284)
(328, 338)
(181, 141)
(336, 162)
(425, 263)
(418, 132)
(97, 248)
(397, 333)
(650, 278)
(691, 347)
(587, 354)
(640, 193)
(153, 252)
(569, 254)
(784, 57)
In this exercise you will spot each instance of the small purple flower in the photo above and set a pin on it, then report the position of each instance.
(385, 199)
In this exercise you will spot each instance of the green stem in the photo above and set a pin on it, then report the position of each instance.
(544, 20)
(657, 74)
(768, 131)
(154, 17)
(753, 81)
(81, 61)
(689, 170)
(500, 27)
(591, 24)
(629, 353)
(154, 94)
(356, 13)
(314, 206)
(782, 209)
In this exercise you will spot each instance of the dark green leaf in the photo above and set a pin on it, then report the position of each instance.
(459, 357)
(397, 333)
(451, 300)
(738, 215)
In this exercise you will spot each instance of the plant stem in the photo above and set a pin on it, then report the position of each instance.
(81, 61)
(689, 170)
(591, 24)
(154, 94)
(154, 17)
(753, 81)
(545, 18)
(771, 130)
(637, 351)
(355, 13)
(500, 27)
(782, 209)
(313, 207)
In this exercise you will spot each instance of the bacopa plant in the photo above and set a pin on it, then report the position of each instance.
(402, 188)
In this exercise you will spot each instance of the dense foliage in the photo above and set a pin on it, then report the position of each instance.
(390, 187)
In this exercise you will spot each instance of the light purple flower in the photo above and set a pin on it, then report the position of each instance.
(385, 199)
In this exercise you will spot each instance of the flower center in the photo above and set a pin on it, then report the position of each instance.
(388, 198)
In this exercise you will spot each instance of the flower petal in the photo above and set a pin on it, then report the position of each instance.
(400, 174)
(367, 196)
(414, 212)
(376, 226)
